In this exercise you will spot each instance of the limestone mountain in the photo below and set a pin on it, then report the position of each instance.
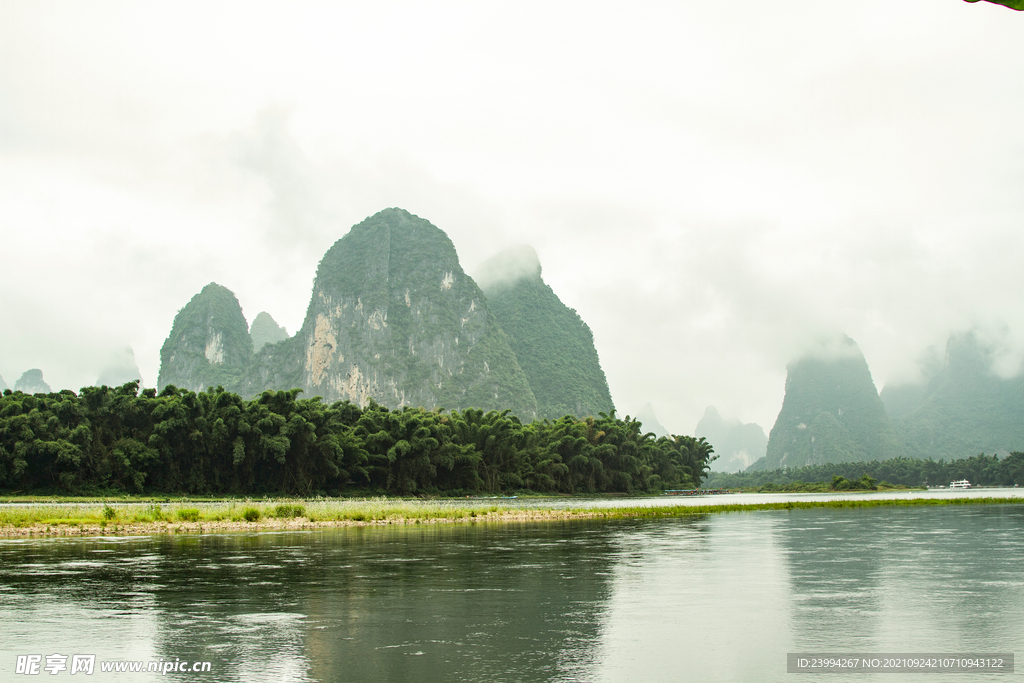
(120, 369)
(961, 408)
(553, 345)
(737, 444)
(650, 422)
(31, 382)
(265, 330)
(831, 413)
(394, 318)
(3, 384)
(209, 343)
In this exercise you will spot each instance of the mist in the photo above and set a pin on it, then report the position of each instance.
(713, 188)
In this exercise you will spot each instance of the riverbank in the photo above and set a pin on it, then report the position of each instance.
(118, 519)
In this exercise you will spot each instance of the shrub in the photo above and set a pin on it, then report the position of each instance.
(288, 511)
(188, 515)
(250, 514)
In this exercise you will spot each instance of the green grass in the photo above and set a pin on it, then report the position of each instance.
(394, 510)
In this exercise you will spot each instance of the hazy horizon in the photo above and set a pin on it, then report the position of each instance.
(714, 188)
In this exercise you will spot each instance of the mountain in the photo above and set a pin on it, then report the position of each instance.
(393, 318)
(737, 444)
(31, 382)
(209, 343)
(265, 330)
(120, 369)
(3, 384)
(961, 409)
(831, 413)
(650, 422)
(553, 345)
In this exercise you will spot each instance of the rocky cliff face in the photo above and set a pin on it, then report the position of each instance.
(31, 382)
(831, 413)
(209, 344)
(553, 345)
(962, 409)
(394, 318)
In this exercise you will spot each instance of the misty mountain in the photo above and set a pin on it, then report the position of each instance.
(120, 369)
(209, 343)
(737, 444)
(265, 330)
(394, 318)
(552, 344)
(31, 382)
(831, 413)
(650, 422)
(961, 408)
(3, 384)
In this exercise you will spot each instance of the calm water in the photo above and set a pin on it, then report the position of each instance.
(716, 598)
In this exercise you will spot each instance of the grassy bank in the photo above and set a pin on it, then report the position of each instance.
(191, 517)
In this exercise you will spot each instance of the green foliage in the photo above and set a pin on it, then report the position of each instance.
(188, 515)
(215, 442)
(250, 514)
(288, 511)
(980, 470)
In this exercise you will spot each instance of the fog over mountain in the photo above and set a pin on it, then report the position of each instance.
(711, 186)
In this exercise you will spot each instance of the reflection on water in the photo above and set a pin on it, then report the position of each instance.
(714, 598)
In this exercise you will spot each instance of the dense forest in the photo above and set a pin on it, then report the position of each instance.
(980, 470)
(106, 440)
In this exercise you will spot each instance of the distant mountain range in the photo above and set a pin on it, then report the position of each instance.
(393, 318)
(832, 412)
(737, 445)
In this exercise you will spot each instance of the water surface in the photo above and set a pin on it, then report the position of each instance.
(719, 597)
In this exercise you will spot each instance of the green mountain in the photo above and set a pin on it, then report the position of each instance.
(209, 343)
(553, 345)
(120, 369)
(31, 382)
(649, 420)
(737, 444)
(961, 409)
(265, 330)
(393, 318)
(831, 413)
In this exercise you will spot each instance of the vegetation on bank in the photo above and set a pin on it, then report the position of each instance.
(980, 470)
(112, 440)
(248, 514)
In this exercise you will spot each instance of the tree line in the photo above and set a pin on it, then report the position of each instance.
(980, 470)
(118, 439)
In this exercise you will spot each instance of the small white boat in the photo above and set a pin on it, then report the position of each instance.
(960, 484)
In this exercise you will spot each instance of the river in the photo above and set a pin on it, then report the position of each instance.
(718, 597)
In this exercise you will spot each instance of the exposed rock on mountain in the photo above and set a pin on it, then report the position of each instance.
(394, 318)
(831, 413)
(209, 344)
(265, 330)
(31, 382)
(961, 409)
(553, 345)
(737, 444)
(120, 369)
(650, 422)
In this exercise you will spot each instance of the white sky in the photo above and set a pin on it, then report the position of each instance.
(711, 185)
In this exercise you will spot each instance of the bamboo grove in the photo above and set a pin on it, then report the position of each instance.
(105, 440)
